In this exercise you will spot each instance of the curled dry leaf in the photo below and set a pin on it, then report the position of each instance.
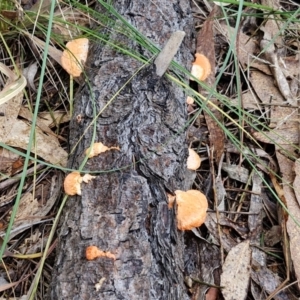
(93, 252)
(191, 209)
(74, 56)
(72, 183)
(201, 67)
(98, 148)
(194, 160)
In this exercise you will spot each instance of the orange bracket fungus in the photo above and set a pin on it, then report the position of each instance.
(190, 100)
(72, 183)
(93, 252)
(74, 56)
(194, 160)
(201, 67)
(98, 148)
(191, 209)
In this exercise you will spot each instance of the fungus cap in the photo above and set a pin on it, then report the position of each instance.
(191, 209)
(74, 56)
(194, 160)
(190, 100)
(93, 252)
(98, 148)
(201, 67)
(72, 184)
(95, 150)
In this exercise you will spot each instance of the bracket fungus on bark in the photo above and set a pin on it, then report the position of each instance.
(191, 209)
(98, 148)
(93, 252)
(74, 56)
(72, 183)
(190, 100)
(194, 160)
(201, 67)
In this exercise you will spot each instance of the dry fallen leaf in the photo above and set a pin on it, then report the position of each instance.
(216, 134)
(248, 48)
(236, 272)
(15, 133)
(52, 51)
(236, 172)
(71, 16)
(269, 281)
(292, 203)
(270, 52)
(54, 119)
(211, 224)
(258, 257)
(74, 56)
(11, 109)
(31, 211)
(7, 158)
(46, 146)
(296, 183)
(26, 114)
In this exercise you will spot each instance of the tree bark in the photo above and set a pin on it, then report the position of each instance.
(125, 210)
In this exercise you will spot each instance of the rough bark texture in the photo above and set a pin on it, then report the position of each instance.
(125, 211)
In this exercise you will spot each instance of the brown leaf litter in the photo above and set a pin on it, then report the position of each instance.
(251, 241)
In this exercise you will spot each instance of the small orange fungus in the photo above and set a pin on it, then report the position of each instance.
(72, 183)
(93, 252)
(191, 209)
(190, 100)
(194, 160)
(97, 149)
(74, 56)
(201, 67)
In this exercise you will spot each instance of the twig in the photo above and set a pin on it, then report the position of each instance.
(15, 179)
